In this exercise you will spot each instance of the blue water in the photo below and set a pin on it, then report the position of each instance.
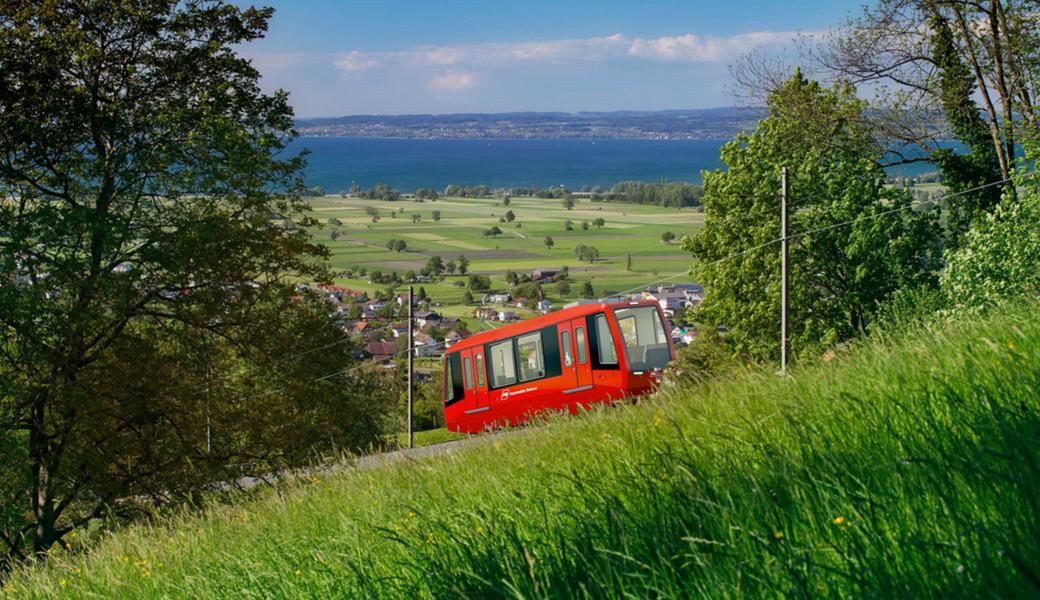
(335, 163)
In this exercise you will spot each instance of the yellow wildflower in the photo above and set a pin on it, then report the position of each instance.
(779, 535)
(297, 571)
(480, 530)
(1011, 345)
(839, 520)
(62, 582)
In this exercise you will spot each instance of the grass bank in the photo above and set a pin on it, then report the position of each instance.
(908, 468)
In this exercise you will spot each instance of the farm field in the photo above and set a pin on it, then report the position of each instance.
(905, 467)
(628, 228)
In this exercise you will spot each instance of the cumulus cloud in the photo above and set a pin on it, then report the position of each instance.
(452, 80)
(357, 61)
(683, 48)
(702, 49)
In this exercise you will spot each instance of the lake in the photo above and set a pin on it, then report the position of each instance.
(406, 164)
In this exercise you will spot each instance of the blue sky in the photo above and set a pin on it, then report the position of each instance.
(392, 57)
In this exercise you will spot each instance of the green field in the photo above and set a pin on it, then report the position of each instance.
(629, 228)
(905, 467)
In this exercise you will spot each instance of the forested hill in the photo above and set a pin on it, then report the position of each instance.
(711, 123)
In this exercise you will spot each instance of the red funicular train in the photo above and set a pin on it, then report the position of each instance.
(574, 357)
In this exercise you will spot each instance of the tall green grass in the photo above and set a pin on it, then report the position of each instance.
(906, 468)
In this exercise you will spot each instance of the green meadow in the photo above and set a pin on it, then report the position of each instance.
(628, 228)
(903, 467)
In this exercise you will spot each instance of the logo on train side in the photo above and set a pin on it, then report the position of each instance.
(507, 393)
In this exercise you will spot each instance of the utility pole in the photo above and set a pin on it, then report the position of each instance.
(411, 350)
(783, 270)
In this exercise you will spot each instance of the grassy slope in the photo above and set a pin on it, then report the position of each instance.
(905, 469)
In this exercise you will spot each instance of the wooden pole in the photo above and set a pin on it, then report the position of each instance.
(783, 270)
(411, 350)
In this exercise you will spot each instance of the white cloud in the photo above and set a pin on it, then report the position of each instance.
(357, 61)
(690, 48)
(704, 49)
(451, 81)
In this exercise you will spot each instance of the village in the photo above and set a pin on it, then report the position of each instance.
(379, 325)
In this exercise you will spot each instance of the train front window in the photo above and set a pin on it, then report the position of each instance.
(532, 359)
(605, 341)
(500, 359)
(646, 342)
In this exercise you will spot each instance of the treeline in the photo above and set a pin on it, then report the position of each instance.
(675, 194)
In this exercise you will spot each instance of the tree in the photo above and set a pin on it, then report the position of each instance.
(568, 225)
(509, 216)
(563, 287)
(334, 235)
(400, 245)
(583, 252)
(587, 291)
(891, 49)
(422, 294)
(505, 201)
(667, 237)
(434, 266)
(568, 202)
(391, 245)
(467, 297)
(628, 261)
(436, 215)
(463, 264)
(450, 267)
(416, 218)
(408, 276)
(510, 277)
(549, 243)
(493, 232)
(354, 312)
(599, 222)
(335, 222)
(865, 242)
(479, 283)
(147, 275)
(372, 212)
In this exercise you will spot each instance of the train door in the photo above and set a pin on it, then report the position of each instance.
(582, 369)
(474, 381)
(568, 357)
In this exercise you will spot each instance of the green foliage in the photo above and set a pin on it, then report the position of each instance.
(980, 165)
(434, 266)
(479, 283)
(587, 291)
(568, 202)
(493, 231)
(1000, 258)
(548, 242)
(147, 268)
(839, 274)
(706, 357)
(665, 193)
(901, 470)
(667, 237)
(463, 264)
(583, 252)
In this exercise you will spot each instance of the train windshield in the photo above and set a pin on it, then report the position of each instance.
(646, 342)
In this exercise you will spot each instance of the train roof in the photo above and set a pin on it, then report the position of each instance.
(536, 323)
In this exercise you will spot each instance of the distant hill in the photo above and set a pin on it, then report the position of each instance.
(710, 123)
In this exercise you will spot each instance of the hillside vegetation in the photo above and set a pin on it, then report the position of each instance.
(906, 468)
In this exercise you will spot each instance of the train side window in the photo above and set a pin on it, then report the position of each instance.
(503, 367)
(579, 337)
(480, 370)
(627, 325)
(448, 390)
(467, 374)
(532, 358)
(565, 341)
(607, 351)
